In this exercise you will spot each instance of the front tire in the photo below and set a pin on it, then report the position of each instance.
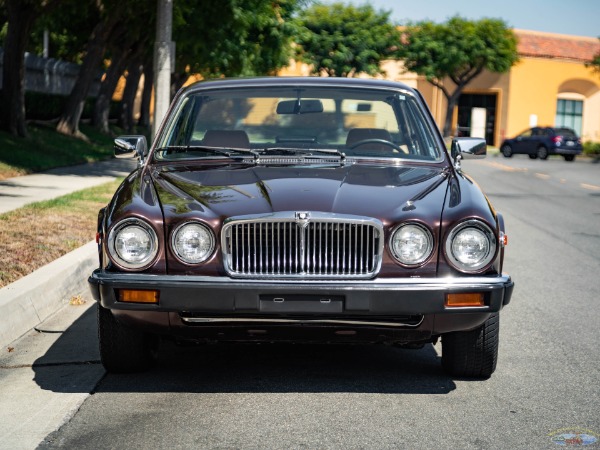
(506, 151)
(124, 349)
(474, 353)
(542, 152)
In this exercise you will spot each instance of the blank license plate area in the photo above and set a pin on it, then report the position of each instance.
(298, 304)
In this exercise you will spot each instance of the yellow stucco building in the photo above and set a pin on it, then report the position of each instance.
(549, 86)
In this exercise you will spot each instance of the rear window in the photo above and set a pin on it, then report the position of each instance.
(566, 132)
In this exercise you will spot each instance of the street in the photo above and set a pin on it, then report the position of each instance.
(342, 396)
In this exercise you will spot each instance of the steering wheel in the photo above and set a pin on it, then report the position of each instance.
(375, 141)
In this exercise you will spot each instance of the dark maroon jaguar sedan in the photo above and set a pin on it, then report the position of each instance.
(300, 210)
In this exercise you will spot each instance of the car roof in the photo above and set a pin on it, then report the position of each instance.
(294, 81)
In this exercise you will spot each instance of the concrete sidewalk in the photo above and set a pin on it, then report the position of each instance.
(32, 299)
(19, 191)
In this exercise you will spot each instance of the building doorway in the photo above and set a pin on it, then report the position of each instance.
(477, 116)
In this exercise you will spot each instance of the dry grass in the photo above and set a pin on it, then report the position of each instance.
(37, 234)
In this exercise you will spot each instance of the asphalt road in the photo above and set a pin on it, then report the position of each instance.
(307, 396)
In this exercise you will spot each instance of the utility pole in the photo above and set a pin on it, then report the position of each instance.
(164, 50)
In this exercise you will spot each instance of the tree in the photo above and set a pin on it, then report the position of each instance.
(459, 50)
(117, 18)
(20, 15)
(343, 41)
(253, 37)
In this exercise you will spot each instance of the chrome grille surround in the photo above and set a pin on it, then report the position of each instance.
(307, 245)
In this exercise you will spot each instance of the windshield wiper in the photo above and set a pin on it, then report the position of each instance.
(305, 151)
(229, 152)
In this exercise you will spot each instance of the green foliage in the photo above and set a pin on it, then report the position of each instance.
(591, 148)
(594, 64)
(233, 37)
(459, 49)
(45, 149)
(69, 26)
(345, 40)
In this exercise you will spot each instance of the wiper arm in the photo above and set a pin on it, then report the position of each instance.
(229, 152)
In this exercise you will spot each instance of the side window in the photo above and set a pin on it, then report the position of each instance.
(525, 134)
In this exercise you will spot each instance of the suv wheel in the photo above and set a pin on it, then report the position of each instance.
(532, 155)
(542, 152)
(506, 151)
(123, 349)
(569, 158)
(474, 353)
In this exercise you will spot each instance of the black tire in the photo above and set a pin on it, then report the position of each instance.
(472, 354)
(542, 152)
(124, 349)
(506, 151)
(533, 155)
(569, 158)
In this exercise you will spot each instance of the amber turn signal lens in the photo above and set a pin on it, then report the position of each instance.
(462, 300)
(126, 295)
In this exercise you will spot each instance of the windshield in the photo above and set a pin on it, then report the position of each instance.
(300, 120)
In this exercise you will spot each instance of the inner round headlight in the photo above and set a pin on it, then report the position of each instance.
(133, 244)
(411, 244)
(193, 243)
(471, 246)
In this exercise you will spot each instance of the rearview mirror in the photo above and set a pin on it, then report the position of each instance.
(299, 107)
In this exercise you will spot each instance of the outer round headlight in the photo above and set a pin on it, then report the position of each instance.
(133, 244)
(471, 246)
(411, 244)
(193, 242)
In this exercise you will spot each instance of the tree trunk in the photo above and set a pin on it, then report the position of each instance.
(21, 16)
(452, 101)
(107, 89)
(146, 95)
(131, 87)
(71, 115)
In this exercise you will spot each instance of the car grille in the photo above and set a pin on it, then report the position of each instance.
(302, 245)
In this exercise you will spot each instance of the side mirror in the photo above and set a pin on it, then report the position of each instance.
(468, 148)
(131, 147)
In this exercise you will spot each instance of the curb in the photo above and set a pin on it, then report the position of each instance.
(30, 300)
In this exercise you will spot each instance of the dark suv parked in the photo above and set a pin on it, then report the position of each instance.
(540, 142)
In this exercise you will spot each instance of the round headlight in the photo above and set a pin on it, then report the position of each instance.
(193, 243)
(133, 244)
(471, 246)
(411, 244)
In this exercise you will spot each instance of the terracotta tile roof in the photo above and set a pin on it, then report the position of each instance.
(547, 45)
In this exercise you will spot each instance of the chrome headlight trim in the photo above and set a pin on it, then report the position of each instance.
(425, 255)
(135, 225)
(488, 253)
(177, 250)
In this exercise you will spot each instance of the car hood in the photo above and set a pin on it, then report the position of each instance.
(359, 189)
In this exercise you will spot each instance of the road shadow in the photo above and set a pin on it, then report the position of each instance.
(255, 368)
